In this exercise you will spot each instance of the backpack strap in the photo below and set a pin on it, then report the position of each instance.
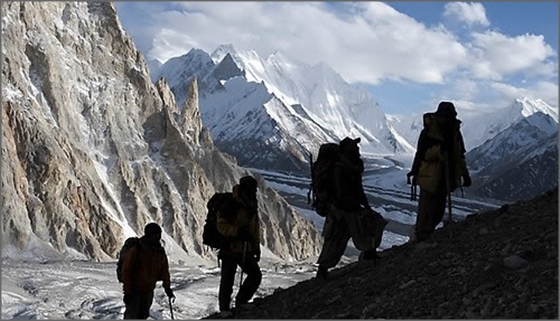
(138, 247)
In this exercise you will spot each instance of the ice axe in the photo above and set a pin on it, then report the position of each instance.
(311, 184)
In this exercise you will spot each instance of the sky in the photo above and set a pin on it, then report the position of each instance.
(410, 55)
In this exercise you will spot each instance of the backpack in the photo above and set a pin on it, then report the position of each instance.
(374, 224)
(210, 234)
(321, 177)
(428, 118)
(128, 244)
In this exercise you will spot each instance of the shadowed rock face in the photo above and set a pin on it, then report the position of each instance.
(92, 151)
(496, 264)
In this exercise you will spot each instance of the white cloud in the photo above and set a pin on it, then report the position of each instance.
(496, 55)
(466, 89)
(469, 13)
(374, 43)
(546, 91)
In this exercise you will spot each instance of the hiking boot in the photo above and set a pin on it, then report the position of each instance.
(242, 307)
(322, 273)
(227, 314)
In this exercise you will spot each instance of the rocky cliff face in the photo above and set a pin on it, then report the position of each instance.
(92, 151)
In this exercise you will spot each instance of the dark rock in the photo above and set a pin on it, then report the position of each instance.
(476, 285)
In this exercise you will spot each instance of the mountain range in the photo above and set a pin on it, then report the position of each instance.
(93, 149)
(270, 113)
(519, 162)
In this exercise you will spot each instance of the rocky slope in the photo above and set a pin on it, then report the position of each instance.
(92, 150)
(496, 264)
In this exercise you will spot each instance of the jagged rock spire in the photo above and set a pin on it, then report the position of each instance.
(190, 122)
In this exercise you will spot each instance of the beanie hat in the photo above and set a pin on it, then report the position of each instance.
(248, 182)
(347, 142)
(152, 229)
(446, 109)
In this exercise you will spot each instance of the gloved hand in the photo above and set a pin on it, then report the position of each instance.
(244, 235)
(127, 299)
(408, 175)
(467, 180)
(169, 293)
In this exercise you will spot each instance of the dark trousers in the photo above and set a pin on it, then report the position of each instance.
(339, 227)
(139, 306)
(431, 207)
(249, 286)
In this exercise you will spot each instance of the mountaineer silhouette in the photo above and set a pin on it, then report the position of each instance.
(438, 167)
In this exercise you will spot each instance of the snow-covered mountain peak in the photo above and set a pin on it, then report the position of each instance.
(291, 96)
(528, 106)
(324, 95)
(221, 51)
(196, 53)
(179, 70)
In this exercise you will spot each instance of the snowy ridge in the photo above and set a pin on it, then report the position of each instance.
(302, 105)
(481, 127)
(519, 162)
(527, 132)
(296, 107)
(322, 94)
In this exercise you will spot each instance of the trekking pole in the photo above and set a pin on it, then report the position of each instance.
(310, 184)
(412, 192)
(171, 309)
(448, 183)
(241, 276)
(412, 187)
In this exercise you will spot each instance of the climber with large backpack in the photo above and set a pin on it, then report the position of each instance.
(438, 167)
(345, 203)
(143, 262)
(238, 222)
(320, 189)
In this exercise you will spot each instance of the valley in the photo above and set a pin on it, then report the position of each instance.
(387, 191)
